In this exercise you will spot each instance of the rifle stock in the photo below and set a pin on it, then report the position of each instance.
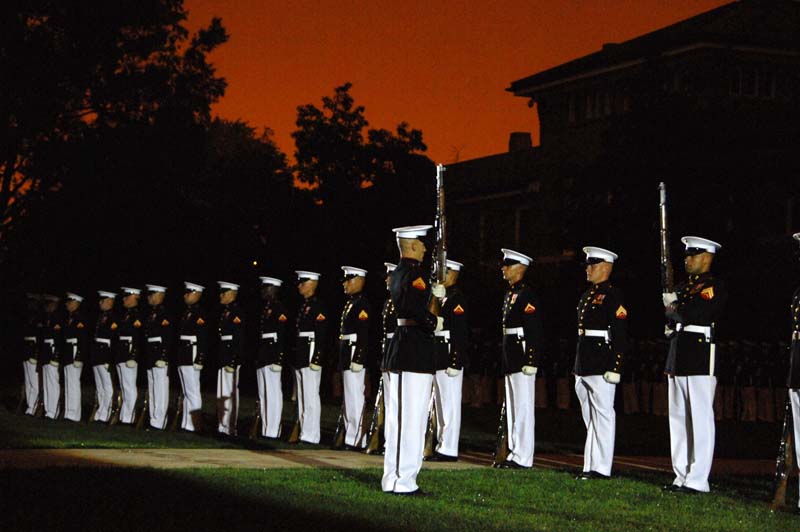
(339, 435)
(376, 425)
(783, 463)
(145, 411)
(178, 413)
(501, 445)
(23, 399)
(253, 434)
(432, 430)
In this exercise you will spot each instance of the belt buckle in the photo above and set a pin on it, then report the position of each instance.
(581, 332)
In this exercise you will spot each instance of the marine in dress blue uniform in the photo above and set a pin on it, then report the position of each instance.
(271, 356)
(602, 343)
(694, 307)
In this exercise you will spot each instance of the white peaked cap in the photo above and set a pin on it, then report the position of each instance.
(271, 280)
(412, 231)
(390, 266)
(50, 297)
(593, 252)
(76, 297)
(352, 270)
(516, 255)
(193, 286)
(453, 265)
(701, 243)
(155, 288)
(796, 236)
(303, 274)
(130, 291)
(225, 285)
(105, 294)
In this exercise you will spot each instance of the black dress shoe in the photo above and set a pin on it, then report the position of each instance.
(670, 487)
(439, 457)
(416, 493)
(510, 464)
(592, 475)
(585, 475)
(687, 490)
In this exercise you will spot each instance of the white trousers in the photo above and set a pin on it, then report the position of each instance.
(31, 386)
(520, 417)
(406, 398)
(308, 403)
(270, 395)
(447, 391)
(692, 429)
(596, 397)
(227, 401)
(72, 392)
(192, 398)
(353, 407)
(127, 384)
(104, 390)
(51, 377)
(158, 389)
(794, 397)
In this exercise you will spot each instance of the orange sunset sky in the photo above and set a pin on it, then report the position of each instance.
(441, 66)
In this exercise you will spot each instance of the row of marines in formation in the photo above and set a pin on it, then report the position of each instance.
(422, 359)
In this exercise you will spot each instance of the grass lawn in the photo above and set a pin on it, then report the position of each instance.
(327, 499)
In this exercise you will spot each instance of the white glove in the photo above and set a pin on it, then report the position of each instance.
(529, 370)
(198, 367)
(668, 298)
(355, 367)
(54, 363)
(668, 331)
(314, 367)
(275, 367)
(105, 367)
(229, 369)
(438, 290)
(452, 372)
(77, 364)
(130, 364)
(32, 361)
(439, 323)
(161, 363)
(611, 377)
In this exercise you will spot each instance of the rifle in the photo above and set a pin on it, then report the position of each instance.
(376, 425)
(439, 275)
(23, 399)
(62, 400)
(178, 412)
(501, 445)
(38, 409)
(341, 431)
(144, 411)
(116, 401)
(667, 273)
(294, 436)
(783, 464)
(253, 434)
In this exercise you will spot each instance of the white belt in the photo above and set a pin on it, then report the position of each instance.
(389, 336)
(698, 329)
(126, 338)
(154, 339)
(269, 336)
(106, 341)
(796, 335)
(443, 334)
(73, 341)
(514, 331)
(189, 338)
(226, 337)
(597, 333)
(30, 338)
(352, 337)
(306, 334)
(49, 341)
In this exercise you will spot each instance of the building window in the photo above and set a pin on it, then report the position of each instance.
(752, 82)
